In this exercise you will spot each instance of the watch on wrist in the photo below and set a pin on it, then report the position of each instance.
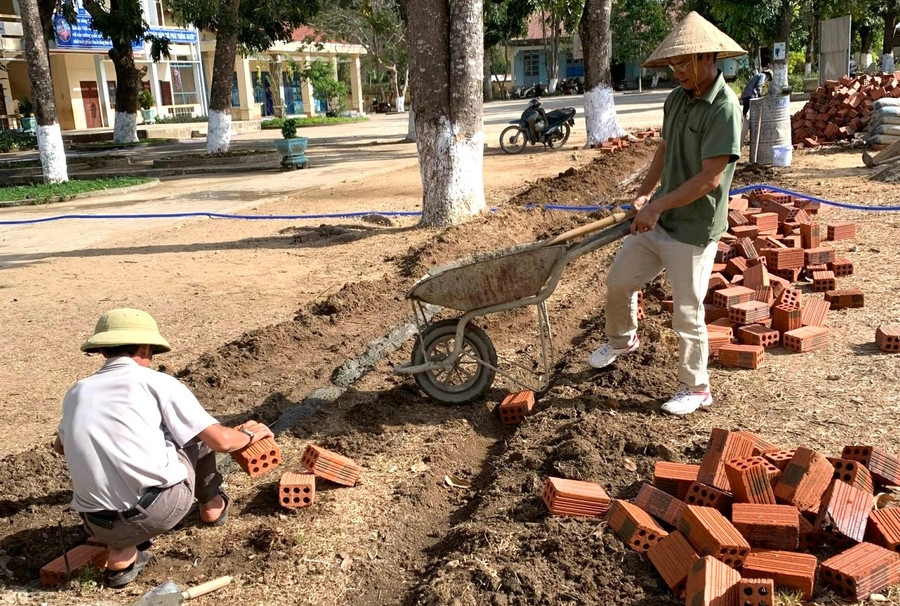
(249, 435)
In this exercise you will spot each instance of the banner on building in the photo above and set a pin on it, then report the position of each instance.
(81, 36)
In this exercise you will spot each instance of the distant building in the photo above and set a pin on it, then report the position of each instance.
(531, 59)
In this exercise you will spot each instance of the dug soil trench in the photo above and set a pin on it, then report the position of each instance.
(448, 511)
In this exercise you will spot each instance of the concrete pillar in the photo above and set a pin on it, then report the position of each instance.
(306, 92)
(103, 85)
(356, 89)
(7, 90)
(156, 88)
(247, 109)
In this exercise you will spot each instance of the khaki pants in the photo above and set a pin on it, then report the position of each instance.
(688, 267)
(169, 508)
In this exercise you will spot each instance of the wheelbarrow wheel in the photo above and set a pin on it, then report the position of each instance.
(468, 378)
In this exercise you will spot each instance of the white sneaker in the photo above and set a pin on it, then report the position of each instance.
(606, 355)
(685, 402)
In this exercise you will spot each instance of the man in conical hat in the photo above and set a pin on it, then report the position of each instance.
(679, 224)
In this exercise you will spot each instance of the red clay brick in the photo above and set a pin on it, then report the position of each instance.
(742, 356)
(853, 473)
(780, 458)
(673, 557)
(784, 258)
(738, 203)
(757, 334)
(703, 495)
(887, 338)
(846, 298)
(823, 281)
(884, 467)
(331, 465)
(53, 574)
(745, 231)
(715, 341)
(515, 407)
(296, 489)
(756, 276)
(841, 231)
(805, 479)
(768, 526)
(722, 325)
(736, 267)
(659, 504)
(862, 570)
(765, 294)
(818, 255)
(804, 339)
(884, 528)
(767, 223)
(810, 235)
(844, 511)
(756, 592)
(641, 314)
(712, 583)
(712, 534)
(723, 446)
(726, 297)
(258, 458)
(794, 571)
(761, 446)
(735, 218)
(814, 312)
(633, 526)
(841, 267)
(748, 312)
(751, 480)
(745, 248)
(575, 498)
(674, 478)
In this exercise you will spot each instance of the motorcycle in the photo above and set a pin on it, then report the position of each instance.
(538, 126)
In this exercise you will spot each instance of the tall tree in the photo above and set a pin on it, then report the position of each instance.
(445, 54)
(599, 106)
(49, 136)
(640, 25)
(890, 12)
(504, 21)
(561, 18)
(253, 25)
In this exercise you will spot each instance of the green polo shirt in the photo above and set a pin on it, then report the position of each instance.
(694, 130)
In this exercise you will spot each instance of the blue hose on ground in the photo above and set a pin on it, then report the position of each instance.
(354, 215)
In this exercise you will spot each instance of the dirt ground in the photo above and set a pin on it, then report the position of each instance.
(261, 314)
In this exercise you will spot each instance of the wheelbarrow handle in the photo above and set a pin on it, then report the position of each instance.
(590, 228)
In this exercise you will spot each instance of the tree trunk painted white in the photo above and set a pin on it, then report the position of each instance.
(551, 88)
(887, 63)
(125, 128)
(411, 125)
(52, 153)
(400, 104)
(779, 77)
(807, 69)
(218, 132)
(600, 115)
(453, 166)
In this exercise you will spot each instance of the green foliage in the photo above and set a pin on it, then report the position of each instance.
(121, 21)
(277, 123)
(289, 128)
(326, 87)
(639, 26)
(186, 119)
(40, 193)
(505, 20)
(796, 62)
(26, 107)
(145, 99)
(12, 140)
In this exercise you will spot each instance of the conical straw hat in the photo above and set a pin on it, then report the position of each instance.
(692, 36)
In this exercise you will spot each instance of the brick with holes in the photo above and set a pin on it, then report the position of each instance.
(810, 235)
(712, 534)
(259, 457)
(804, 339)
(887, 338)
(748, 312)
(726, 297)
(860, 571)
(742, 356)
(756, 276)
(823, 281)
(841, 267)
(757, 334)
(793, 571)
(672, 556)
(296, 489)
(789, 297)
(767, 223)
(814, 312)
(746, 249)
(745, 231)
(819, 255)
(711, 583)
(853, 473)
(633, 525)
(780, 458)
(756, 592)
(575, 498)
(330, 465)
(768, 526)
(884, 467)
(659, 504)
(703, 495)
(804, 480)
(784, 258)
(736, 267)
(884, 528)
(786, 318)
(841, 231)
(751, 480)
(723, 446)
(674, 478)
(844, 511)
(846, 298)
(515, 407)
(761, 446)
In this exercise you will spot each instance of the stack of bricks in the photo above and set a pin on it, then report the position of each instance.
(575, 498)
(841, 108)
(753, 518)
(614, 144)
(774, 244)
(331, 465)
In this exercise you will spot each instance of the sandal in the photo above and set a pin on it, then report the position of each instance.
(223, 517)
(120, 578)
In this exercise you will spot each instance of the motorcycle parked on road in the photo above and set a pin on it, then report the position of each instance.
(538, 126)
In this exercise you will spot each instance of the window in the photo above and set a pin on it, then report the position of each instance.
(532, 62)
(184, 84)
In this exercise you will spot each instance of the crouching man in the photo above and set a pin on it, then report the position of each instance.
(139, 446)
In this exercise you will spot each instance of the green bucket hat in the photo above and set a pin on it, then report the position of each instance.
(126, 327)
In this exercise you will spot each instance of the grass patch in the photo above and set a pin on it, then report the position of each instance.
(44, 192)
(102, 145)
(276, 123)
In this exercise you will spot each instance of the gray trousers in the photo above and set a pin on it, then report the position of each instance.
(170, 507)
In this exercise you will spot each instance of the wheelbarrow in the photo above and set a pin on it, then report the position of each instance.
(453, 360)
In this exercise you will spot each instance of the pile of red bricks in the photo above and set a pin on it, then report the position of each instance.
(614, 144)
(766, 509)
(840, 108)
(753, 303)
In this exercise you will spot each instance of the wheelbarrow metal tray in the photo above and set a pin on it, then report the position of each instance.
(503, 278)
